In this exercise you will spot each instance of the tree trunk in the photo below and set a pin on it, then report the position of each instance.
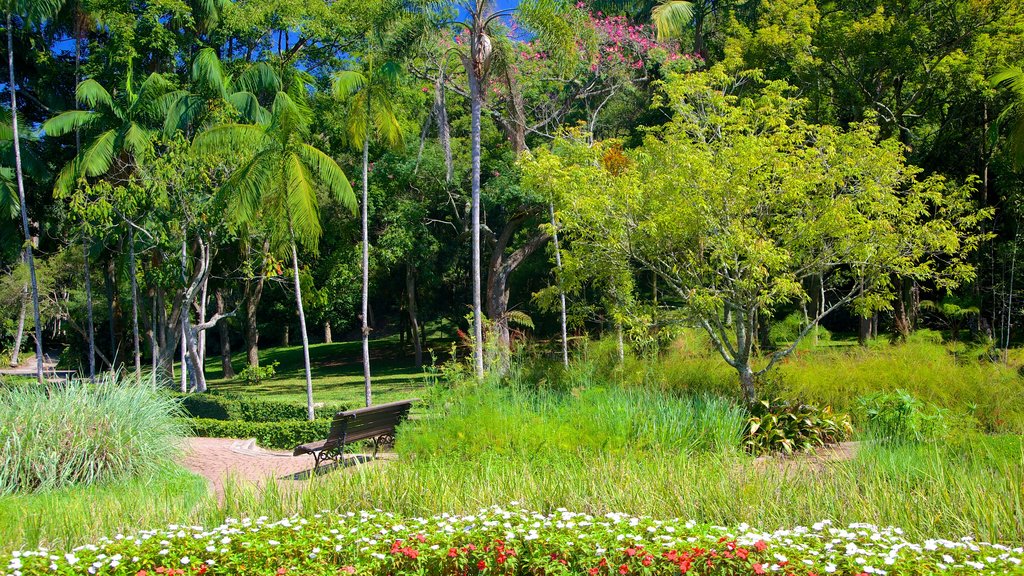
(475, 103)
(302, 324)
(328, 337)
(498, 277)
(184, 365)
(620, 347)
(286, 336)
(367, 387)
(252, 293)
(88, 309)
(561, 291)
(20, 334)
(109, 280)
(443, 129)
(517, 114)
(135, 304)
(204, 300)
(414, 323)
(225, 339)
(747, 383)
(21, 198)
(196, 368)
(863, 330)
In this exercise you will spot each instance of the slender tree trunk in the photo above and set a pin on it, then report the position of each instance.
(620, 347)
(478, 320)
(302, 322)
(561, 291)
(286, 340)
(252, 295)
(367, 389)
(135, 304)
(184, 345)
(328, 337)
(108, 282)
(443, 129)
(20, 334)
(21, 198)
(414, 323)
(747, 383)
(225, 339)
(204, 300)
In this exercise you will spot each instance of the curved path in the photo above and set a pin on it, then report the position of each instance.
(220, 460)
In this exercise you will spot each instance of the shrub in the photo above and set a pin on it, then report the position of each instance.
(780, 426)
(280, 435)
(786, 330)
(495, 541)
(257, 374)
(210, 405)
(899, 418)
(81, 433)
(253, 409)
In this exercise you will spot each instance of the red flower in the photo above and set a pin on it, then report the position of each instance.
(481, 565)
(141, 573)
(760, 546)
(282, 570)
(684, 566)
(411, 552)
(348, 569)
(742, 553)
(603, 562)
(671, 555)
(160, 570)
(501, 558)
(202, 569)
(594, 571)
(470, 547)
(421, 537)
(647, 560)
(758, 568)
(623, 569)
(630, 552)
(452, 552)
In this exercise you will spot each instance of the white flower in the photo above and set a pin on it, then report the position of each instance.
(185, 560)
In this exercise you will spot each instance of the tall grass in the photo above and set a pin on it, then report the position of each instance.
(489, 419)
(929, 491)
(80, 433)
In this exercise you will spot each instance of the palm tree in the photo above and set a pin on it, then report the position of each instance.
(34, 11)
(212, 87)
(1012, 79)
(371, 112)
(278, 185)
(123, 134)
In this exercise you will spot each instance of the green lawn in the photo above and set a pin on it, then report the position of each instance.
(337, 373)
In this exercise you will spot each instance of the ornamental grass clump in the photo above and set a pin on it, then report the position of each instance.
(495, 541)
(80, 433)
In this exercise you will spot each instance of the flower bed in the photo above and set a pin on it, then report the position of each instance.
(503, 542)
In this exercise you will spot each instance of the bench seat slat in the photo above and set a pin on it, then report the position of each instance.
(359, 424)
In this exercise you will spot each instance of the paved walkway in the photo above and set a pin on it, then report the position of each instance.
(221, 460)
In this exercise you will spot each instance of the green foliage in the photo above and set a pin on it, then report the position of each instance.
(789, 330)
(899, 418)
(81, 433)
(283, 435)
(257, 374)
(210, 406)
(520, 419)
(781, 426)
(247, 408)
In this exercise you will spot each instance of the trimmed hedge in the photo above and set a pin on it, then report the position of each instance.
(280, 435)
(242, 407)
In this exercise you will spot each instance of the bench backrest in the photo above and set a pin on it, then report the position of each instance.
(369, 422)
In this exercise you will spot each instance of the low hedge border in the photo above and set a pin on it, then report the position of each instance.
(247, 408)
(277, 435)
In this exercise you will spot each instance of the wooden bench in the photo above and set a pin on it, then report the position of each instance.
(375, 423)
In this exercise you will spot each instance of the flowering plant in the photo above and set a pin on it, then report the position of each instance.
(503, 542)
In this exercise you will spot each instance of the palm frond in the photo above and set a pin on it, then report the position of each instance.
(671, 17)
(259, 78)
(289, 114)
(94, 95)
(243, 192)
(10, 207)
(249, 108)
(94, 160)
(239, 137)
(346, 83)
(68, 122)
(330, 175)
(387, 124)
(147, 105)
(303, 208)
(138, 140)
(182, 110)
(208, 73)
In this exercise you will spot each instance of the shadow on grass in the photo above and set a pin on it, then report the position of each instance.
(348, 462)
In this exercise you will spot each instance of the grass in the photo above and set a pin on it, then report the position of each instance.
(601, 437)
(77, 515)
(79, 433)
(337, 371)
